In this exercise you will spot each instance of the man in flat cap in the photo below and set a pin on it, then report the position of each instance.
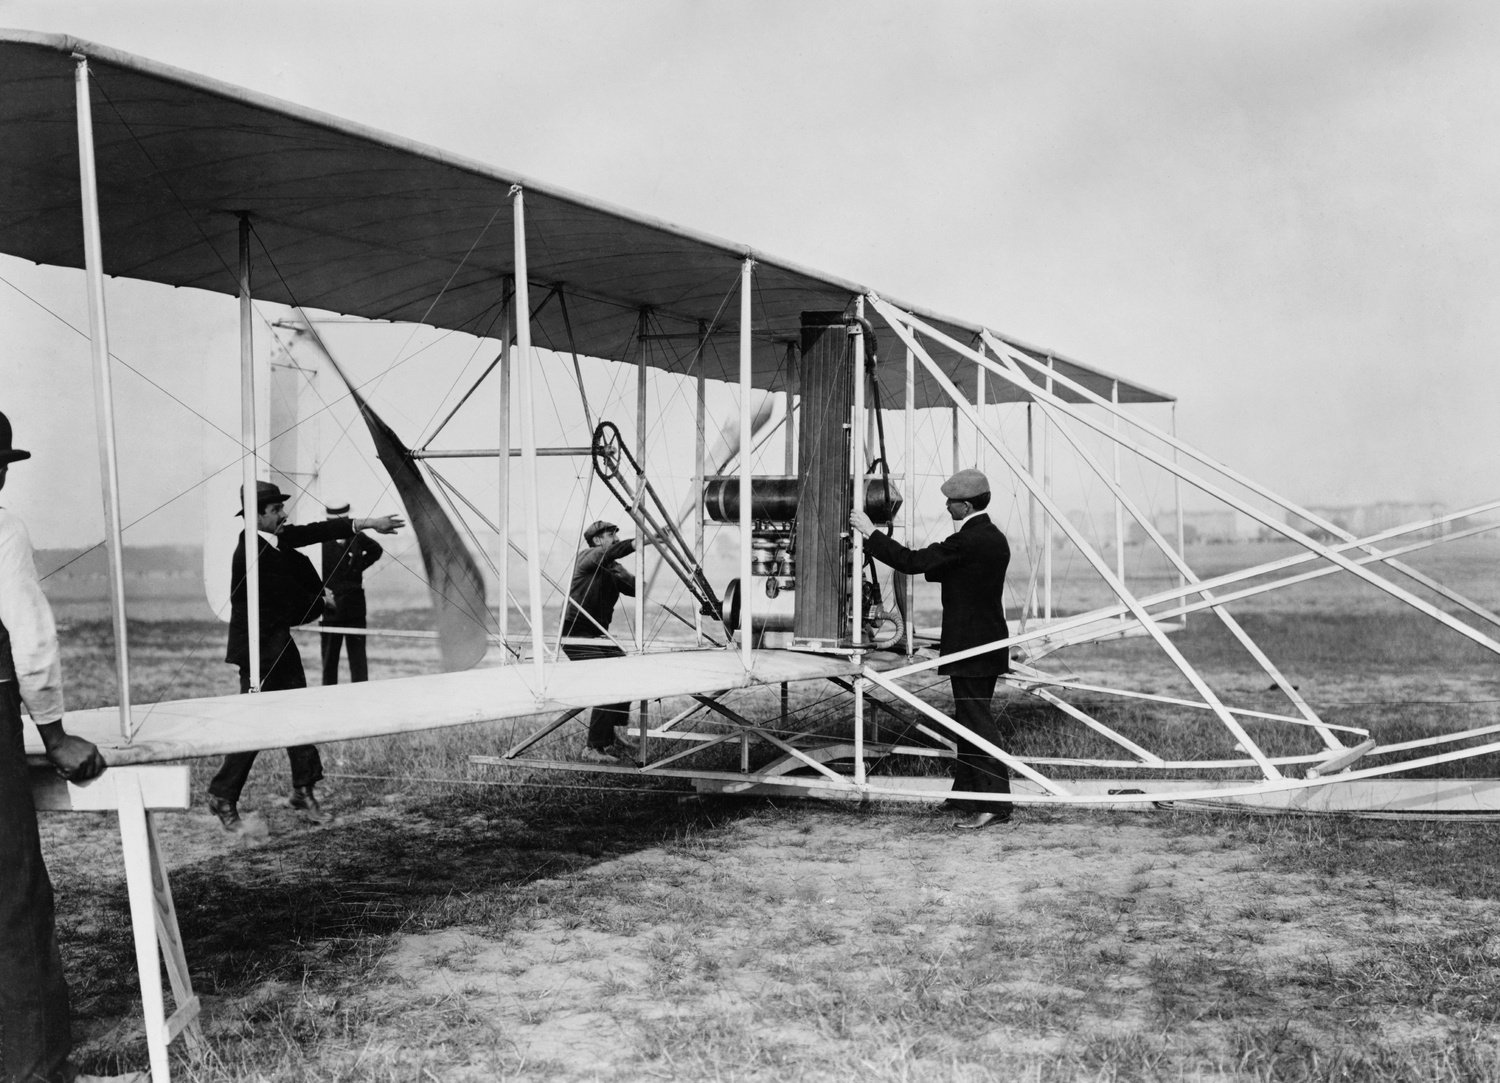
(598, 581)
(970, 564)
(291, 593)
(35, 1020)
(344, 563)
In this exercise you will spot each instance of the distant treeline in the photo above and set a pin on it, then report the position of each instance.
(171, 560)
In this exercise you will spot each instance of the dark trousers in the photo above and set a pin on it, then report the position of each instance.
(307, 765)
(603, 720)
(35, 1038)
(976, 770)
(359, 668)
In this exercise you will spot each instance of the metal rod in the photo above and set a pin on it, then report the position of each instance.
(496, 453)
(104, 406)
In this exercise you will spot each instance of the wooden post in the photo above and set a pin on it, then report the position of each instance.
(104, 401)
(133, 792)
(1114, 395)
(858, 467)
(700, 451)
(747, 596)
(529, 485)
(909, 512)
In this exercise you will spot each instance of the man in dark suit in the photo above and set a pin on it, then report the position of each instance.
(598, 582)
(970, 564)
(291, 593)
(344, 564)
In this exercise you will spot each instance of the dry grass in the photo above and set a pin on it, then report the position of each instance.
(449, 928)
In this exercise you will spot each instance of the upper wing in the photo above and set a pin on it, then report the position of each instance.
(378, 226)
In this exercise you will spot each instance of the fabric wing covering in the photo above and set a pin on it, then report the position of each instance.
(351, 220)
(453, 577)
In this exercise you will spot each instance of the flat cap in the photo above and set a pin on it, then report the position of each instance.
(597, 527)
(966, 484)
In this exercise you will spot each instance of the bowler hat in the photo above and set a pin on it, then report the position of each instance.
(965, 485)
(597, 527)
(9, 454)
(266, 494)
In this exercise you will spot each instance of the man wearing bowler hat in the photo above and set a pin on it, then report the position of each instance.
(970, 564)
(598, 581)
(344, 563)
(35, 1024)
(291, 593)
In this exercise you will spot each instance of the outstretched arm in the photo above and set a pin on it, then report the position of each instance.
(384, 524)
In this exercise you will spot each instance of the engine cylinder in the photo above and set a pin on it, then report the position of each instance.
(774, 499)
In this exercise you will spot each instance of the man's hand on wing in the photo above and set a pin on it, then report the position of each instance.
(75, 759)
(861, 522)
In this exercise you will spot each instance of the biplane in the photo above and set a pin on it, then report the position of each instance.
(120, 166)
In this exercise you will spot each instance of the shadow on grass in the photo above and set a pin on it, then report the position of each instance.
(306, 907)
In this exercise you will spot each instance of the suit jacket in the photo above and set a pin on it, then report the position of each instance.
(598, 582)
(344, 564)
(970, 564)
(291, 591)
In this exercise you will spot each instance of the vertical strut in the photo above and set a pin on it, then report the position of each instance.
(529, 487)
(104, 405)
(747, 596)
(503, 442)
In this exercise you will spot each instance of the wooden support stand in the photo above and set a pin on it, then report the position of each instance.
(135, 793)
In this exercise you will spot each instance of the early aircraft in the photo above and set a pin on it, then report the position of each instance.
(121, 166)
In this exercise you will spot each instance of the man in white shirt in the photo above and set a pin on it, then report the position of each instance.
(35, 1035)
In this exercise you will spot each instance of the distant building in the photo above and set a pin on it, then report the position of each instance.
(1216, 526)
(1362, 520)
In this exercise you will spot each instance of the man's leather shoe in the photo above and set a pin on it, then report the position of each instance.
(303, 801)
(983, 819)
(228, 813)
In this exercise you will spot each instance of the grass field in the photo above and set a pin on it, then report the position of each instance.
(457, 923)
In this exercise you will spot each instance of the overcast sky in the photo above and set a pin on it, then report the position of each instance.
(1286, 214)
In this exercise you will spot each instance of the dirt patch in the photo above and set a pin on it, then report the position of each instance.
(1053, 928)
